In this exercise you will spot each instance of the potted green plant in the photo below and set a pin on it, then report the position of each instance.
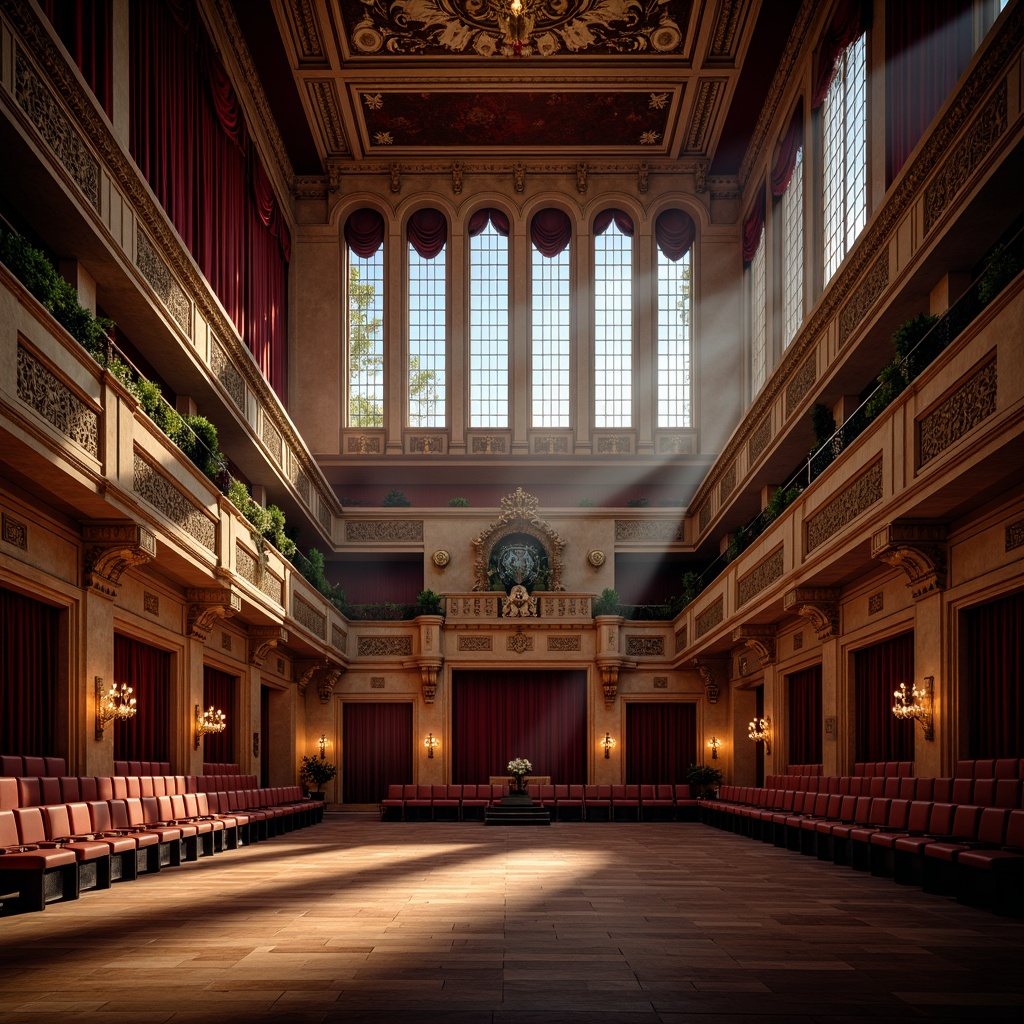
(316, 771)
(706, 778)
(607, 603)
(428, 602)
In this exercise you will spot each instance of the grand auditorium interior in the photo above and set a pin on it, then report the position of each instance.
(671, 442)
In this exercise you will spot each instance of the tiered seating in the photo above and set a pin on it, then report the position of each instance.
(62, 834)
(961, 836)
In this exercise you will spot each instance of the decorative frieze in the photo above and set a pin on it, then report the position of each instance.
(727, 484)
(614, 444)
(710, 617)
(648, 531)
(551, 444)
(969, 405)
(759, 440)
(565, 643)
(867, 293)
(227, 373)
(306, 32)
(919, 549)
(253, 571)
(339, 638)
(271, 437)
(709, 95)
(475, 643)
(959, 166)
(15, 533)
(427, 444)
(1014, 534)
(376, 530)
(488, 444)
(364, 444)
(41, 390)
(801, 384)
(764, 574)
(644, 646)
(818, 604)
(675, 444)
(158, 490)
(112, 548)
(845, 506)
(704, 517)
(724, 38)
(571, 607)
(324, 517)
(306, 615)
(298, 477)
(325, 102)
(43, 110)
(681, 639)
(163, 282)
(385, 646)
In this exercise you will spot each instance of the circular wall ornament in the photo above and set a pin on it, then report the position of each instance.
(596, 558)
(441, 558)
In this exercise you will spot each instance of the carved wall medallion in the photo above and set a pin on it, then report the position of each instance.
(15, 533)
(441, 558)
(845, 506)
(565, 643)
(475, 643)
(373, 530)
(1014, 535)
(661, 682)
(385, 646)
(596, 558)
(969, 405)
(876, 602)
(57, 403)
(225, 641)
(710, 617)
(519, 643)
(376, 682)
(150, 484)
(764, 574)
(798, 641)
(150, 603)
(644, 646)
(642, 531)
(864, 297)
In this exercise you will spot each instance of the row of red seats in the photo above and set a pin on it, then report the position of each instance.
(959, 790)
(212, 768)
(565, 802)
(966, 849)
(55, 851)
(142, 768)
(32, 791)
(804, 769)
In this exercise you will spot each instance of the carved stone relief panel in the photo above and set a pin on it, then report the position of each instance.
(972, 402)
(385, 646)
(57, 403)
(151, 485)
(710, 617)
(766, 572)
(845, 506)
(373, 530)
(308, 616)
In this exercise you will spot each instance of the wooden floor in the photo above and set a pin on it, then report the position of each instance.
(357, 920)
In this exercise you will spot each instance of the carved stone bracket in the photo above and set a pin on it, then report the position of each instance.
(709, 674)
(760, 638)
(609, 682)
(919, 549)
(110, 549)
(429, 669)
(325, 688)
(819, 604)
(206, 606)
(262, 640)
(306, 670)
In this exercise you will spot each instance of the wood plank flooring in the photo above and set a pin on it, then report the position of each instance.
(357, 920)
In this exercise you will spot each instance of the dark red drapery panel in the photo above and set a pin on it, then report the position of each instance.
(376, 748)
(479, 221)
(661, 741)
(497, 716)
(877, 673)
(29, 642)
(623, 222)
(219, 689)
(927, 47)
(994, 678)
(427, 231)
(852, 18)
(752, 228)
(550, 232)
(85, 27)
(674, 231)
(265, 735)
(147, 670)
(364, 232)
(785, 162)
(805, 716)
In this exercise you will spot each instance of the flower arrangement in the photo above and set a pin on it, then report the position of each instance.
(519, 766)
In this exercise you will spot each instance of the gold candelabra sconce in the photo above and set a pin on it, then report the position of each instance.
(761, 732)
(116, 705)
(916, 704)
(431, 743)
(714, 743)
(608, 743)
(212, 720)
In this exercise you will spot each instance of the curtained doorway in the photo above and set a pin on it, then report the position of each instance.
(661, 741)
(376, 749)
(877, 672)
(499, 715)
(147, 670)
(805, 716)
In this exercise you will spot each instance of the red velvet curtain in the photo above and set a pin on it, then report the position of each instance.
(852, 18)
(661, 741)
(752, 228)
(805, 716)
(364, 232)
(29, 642)
(265, 735)
(147, 670)
(376, 749)
(674, 231)
(927, 47)
(994, 678)
(427, 232)
(497, 716)
(785, 162)
(623, 222)
(550, 232)
(478, 222)
(85, 27)
(219, 689)
(188, 136)
(877, 672)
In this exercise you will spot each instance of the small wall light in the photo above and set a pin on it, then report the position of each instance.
(430, 743)
(607, 743)
(713, 743)
(917, 705)
(117, 704)
(209, 721)
(323, 745)
(761, 732)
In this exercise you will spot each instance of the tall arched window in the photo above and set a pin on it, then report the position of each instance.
(364, 234)
(755, 261)
(787, 183)
(428, 322)
(674, 232)
(488, 319)
(550, 232)
(613, 320)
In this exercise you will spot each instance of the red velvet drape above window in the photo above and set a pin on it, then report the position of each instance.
(623, 222)
(994, 678)
(661, 741)
(29, 645)
(478, 222)
(497, 716)
(550, 232)
(877, 673)
(377, 746)
(785, 163)
(674, 231)
(364, 232)
(752, 228)
(852, 18)
(85, 27)
(927, 47)
(147, 670)
(427, 231)
(219, 689)
(805, 716)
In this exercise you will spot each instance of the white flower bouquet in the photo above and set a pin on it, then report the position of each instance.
(519, 766)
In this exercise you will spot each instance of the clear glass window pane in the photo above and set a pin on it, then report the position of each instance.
(550, 339)
(366, 340)
(613, 328)
(675, 310)
(427, 339)
(488, 329)
(758, 320)
(793, 252)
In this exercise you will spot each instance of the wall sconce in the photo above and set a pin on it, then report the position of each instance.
(430, 743)
(607, 743)
(209, 721)
(117, 704)
(714, 744)
(761, 732)
(917, 705)
(323, 745)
